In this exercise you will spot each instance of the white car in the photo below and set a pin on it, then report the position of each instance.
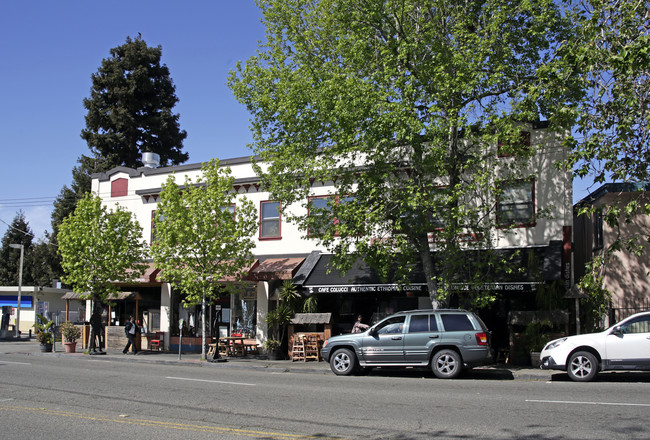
(624, 346)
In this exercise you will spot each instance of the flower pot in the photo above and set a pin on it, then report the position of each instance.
(534, 359)
(275, 355)
(70, 347)
(46, 348)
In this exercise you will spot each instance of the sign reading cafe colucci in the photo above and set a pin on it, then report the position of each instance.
(379, 288)
(367, 288)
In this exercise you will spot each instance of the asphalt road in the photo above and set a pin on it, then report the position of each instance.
(90, 397)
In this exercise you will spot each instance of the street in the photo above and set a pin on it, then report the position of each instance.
(81, 397)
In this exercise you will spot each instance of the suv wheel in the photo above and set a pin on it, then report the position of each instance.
(583, 366)
(343, 362)
(446, 364)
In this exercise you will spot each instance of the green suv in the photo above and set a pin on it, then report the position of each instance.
(445, 339)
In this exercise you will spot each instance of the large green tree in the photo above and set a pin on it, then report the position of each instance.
(18, 232)
(129, 112)
(203, 234)
(100, 248)
(611, 54)
(130, 108)
(399, 103)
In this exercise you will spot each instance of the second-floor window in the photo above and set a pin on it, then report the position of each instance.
(320, 210)
(270, 220)
(516, 203)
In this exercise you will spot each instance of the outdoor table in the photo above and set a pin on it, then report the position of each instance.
(234, 345)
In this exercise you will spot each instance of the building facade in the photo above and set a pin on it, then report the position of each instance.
(625, 275)
(541, 244)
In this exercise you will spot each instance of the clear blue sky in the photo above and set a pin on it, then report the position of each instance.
(51, 48)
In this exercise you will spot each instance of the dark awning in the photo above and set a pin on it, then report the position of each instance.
(539, 265)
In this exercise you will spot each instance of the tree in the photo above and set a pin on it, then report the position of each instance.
(129, 112)
(400, 104)
(201, 236)
(99, 249)
(18, 232)
(130, 108)
(611, 54)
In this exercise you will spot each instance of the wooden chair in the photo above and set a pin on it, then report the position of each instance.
(298, 349)
(312, 349)
(158, 343)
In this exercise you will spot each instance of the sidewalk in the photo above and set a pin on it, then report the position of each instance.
(32, 348)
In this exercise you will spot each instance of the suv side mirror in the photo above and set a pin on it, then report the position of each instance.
(372, 331)
(617, 330)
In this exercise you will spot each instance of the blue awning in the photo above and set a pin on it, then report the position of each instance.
(12, 300)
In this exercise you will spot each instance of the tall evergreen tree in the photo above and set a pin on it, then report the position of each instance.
(130, 108)
(18, 232)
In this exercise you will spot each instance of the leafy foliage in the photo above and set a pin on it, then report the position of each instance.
(100, 248)
(18, 232)
(611, 55)
(44, 330)
(393, 101)
(69, 331)
(198, 241)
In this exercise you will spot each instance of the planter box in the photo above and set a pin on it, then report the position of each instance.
(191, 344)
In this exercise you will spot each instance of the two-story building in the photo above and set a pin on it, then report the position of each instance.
(540, 242)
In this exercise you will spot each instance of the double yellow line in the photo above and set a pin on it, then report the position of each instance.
(167, 425)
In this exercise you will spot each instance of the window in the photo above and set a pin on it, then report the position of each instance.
(456, 323)
(598, 230)
(637, 325)
(320, 209)
(423, 323)
(516, 203)
(153, 225)
(270, 222)
(391, 325)
(507, 148)
(119, 187)
(230, 208)
(319, 212)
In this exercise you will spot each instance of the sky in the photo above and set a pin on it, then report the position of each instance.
(49, 51)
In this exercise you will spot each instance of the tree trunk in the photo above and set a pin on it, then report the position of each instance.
(203, 326)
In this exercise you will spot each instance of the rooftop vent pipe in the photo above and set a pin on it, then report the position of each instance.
(150, 160)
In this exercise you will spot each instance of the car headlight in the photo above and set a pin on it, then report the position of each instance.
(554, 344)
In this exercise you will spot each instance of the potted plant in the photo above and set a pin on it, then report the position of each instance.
(70, 333)
(44, 333)
(536, 335)
(272, 347)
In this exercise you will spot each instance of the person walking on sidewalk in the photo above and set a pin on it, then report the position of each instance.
(130, 330)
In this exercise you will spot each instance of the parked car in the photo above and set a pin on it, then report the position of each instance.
(444, 339)
(624, 346)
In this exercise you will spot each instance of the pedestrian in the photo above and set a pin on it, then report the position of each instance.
(130, 330)
(358, 326)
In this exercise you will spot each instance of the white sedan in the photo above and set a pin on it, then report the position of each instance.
(624, 346)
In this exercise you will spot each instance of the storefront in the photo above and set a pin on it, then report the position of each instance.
(361, 291)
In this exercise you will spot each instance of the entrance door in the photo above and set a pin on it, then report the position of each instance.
(386, 344)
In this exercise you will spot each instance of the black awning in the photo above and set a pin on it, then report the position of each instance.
(536, 265)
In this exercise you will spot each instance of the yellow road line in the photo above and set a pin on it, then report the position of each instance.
(167, 425)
